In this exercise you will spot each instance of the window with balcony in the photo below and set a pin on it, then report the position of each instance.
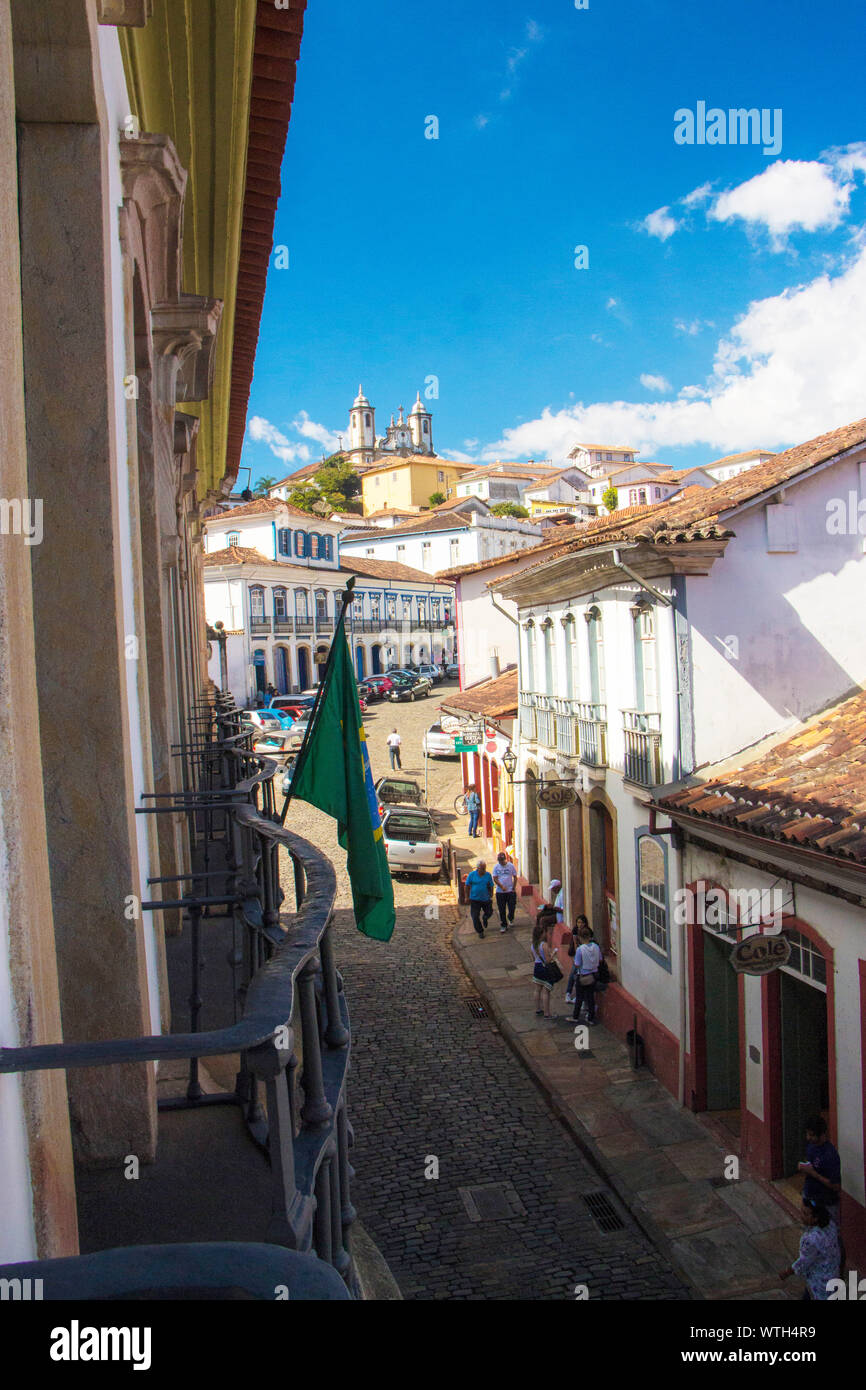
(302, 611)
(321, 604)
(569, 628)
(595, 638)
(652, 897)
(529, 656)
(645, 659)
(280, 608)
(547, 637)
(257, 603)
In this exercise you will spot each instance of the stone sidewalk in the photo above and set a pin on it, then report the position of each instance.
(727, 1238)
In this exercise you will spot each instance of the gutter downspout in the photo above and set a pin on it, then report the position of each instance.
(500, 609)
(632, 574)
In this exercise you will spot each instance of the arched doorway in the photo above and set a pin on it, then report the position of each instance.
(376, 659)
(303, 668)
(799, 1000)
(321, 658)
(530, 812)
(260, 671)
(554, 845)
(360, 661)
(281, 670)
(602, 873)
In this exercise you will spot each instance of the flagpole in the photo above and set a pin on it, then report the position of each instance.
(346, 598)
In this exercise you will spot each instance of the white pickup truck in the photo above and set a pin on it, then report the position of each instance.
(411, 842)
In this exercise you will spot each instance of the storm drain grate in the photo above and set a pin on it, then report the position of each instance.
(475, 1005)
(493, 1201)
(603, 1211)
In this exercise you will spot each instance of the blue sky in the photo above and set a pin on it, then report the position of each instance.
(724, 300)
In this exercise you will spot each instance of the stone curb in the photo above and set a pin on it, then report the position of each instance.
(376, 1282)
(579, 1133)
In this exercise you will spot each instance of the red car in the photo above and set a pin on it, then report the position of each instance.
(383, 684)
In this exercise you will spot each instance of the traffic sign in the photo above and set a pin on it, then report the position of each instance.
(460, 747)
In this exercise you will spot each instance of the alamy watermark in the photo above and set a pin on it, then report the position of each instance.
(737, 126)
(705, 904)
(22, 516)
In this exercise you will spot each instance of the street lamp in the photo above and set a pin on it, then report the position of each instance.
(509, 762)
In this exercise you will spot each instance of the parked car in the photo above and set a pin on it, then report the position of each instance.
(370, 692)
(439, 742)
(410, 688)
(262, 720)
(398, 791)
(380, 682)
(293, 704)
(452, 671)
(433, 673)
(284, 717)
(412, 845)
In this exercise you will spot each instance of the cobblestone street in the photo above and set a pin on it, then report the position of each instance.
(432, 1085)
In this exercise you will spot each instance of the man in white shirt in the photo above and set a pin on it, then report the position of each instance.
(394, 741)
(505, 878)
(556, 885)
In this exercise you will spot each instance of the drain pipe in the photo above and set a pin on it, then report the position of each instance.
(632, 574)
(498, 606)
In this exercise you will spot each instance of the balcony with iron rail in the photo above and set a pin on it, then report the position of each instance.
(642, 762)
(251, 1182)
(260, 626)
(592, 732)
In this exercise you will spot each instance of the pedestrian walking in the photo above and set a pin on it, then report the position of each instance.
(479, 885)
(587, 961)
(473, 806)
(505, 878)
(820, 1257)
(545, 970)
(823, 1167)
(394, 740)
(573, 946)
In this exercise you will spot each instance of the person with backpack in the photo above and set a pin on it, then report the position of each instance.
(545, 970)
(587, 960)
(574, 945)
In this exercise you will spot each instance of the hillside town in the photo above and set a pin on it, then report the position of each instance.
(423, 877)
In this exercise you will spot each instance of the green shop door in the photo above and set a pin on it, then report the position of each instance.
(722, 1023)
(805, 1071)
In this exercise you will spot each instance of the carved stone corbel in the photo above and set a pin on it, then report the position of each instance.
(186, 330)
(132, 14)
(154, 185)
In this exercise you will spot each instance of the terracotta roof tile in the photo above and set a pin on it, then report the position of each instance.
(384, 569)
(818, 802)
(236, 555)
(496, 698)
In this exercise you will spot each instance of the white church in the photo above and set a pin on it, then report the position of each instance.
(403, 436)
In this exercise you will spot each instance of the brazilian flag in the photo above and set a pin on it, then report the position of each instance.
(333, 772)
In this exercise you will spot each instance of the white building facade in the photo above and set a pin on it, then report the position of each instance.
(443, 541)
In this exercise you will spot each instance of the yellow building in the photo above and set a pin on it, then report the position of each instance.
(409, 482)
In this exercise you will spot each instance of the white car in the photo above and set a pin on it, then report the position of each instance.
(439, 742)
(412, 845)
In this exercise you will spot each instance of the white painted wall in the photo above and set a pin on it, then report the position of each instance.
(790, 615)
(486, 537)
(482, 630)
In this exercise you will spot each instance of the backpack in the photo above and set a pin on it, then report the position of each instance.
(603, 976)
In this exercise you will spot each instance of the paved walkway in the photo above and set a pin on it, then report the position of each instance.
(728, 1239)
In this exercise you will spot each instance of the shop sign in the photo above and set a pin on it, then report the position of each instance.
(758, 954)
(471, 733)
(554, 796)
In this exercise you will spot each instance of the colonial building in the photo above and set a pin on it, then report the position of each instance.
(732, 464)
(645, 657)
(408, 480)
(444, 537)
(402, 437)
(273, 577)
(502, 482)
(140, 148)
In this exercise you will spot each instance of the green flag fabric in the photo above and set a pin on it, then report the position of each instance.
(333, 772)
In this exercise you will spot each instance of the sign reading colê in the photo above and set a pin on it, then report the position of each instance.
(554, 796)
(758, 954)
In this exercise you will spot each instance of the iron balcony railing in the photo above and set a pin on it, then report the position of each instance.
(643, 740)
(289, 999)
(567, 731)
(259, 626)
(324, 623)
(545, 721)
(592, 732)
(303, 625)
(283, 625)
(527, 715)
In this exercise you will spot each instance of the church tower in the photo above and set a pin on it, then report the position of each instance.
(421, 426)
(362, 428)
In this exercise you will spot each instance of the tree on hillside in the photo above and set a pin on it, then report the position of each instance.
(509, 509)
(610, 499)
(305, 497)
(337, 481)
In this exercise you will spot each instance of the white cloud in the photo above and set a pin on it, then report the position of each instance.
(660, 224)
(848, 159)
(791, 193)
(534, 31)
(457, 456)
(611, 303)
(471, 443)
(261, 431)
(697, 195)
(692, 327)
(655, 383)
(482, 121)
(790, 368)
(310, 430)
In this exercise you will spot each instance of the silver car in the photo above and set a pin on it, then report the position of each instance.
(412, 845)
